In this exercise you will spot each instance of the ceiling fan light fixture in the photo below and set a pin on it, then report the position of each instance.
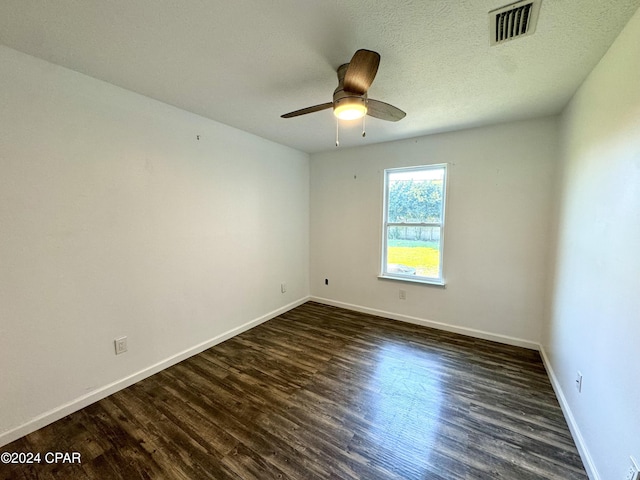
(350, 108)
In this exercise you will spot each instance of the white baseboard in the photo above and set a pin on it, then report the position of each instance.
(103, 392)
(587, 460)
(471, 332)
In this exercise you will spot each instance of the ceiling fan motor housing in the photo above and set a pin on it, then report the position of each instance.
(340, 97)
(343, 100)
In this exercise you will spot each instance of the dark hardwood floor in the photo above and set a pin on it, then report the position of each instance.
(324, 393)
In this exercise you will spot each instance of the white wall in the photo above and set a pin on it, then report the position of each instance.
(115, 220)
(496, 247)
(594, 321)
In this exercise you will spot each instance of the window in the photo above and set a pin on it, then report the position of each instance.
(413, 223)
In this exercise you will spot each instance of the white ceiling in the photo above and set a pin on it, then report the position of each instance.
(246, 62)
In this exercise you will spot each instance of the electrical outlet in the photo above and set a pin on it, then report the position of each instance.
(121, 345)
(403, 295)
(283, 287)
(634, 472)
(579, 382)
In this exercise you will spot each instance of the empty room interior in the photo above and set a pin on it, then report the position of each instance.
(203, 272)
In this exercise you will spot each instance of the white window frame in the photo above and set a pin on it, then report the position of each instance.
(386, 224)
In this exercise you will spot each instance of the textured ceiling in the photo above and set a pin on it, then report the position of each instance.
(246, 62)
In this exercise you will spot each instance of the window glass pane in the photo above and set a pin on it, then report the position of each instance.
(413, 251)
(415, 196)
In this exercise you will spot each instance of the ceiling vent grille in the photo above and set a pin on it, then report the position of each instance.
(513, 21)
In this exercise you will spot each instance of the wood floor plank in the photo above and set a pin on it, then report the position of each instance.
(322, 393)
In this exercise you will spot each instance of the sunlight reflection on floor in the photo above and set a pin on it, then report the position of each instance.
(407, 402)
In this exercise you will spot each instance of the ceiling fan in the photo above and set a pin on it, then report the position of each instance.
(350, 99)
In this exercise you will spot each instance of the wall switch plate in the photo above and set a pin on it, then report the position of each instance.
(283, 287)
(403, 295)
(579, 382)
(121, 345)
(634, 472)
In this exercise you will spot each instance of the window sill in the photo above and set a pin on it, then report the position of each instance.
(438, 283)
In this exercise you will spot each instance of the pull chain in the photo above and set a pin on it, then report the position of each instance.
(337, 132)
(364, 133)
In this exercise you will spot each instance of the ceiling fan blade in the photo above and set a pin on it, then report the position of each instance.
(384, 111)
(361, 71)
(304, 111)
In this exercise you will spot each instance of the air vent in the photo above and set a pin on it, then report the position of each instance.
(513, 21)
